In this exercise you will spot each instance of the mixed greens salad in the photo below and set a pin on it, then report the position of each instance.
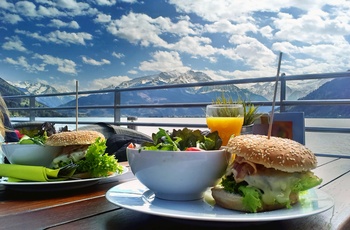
(183, 140)
(38, 139)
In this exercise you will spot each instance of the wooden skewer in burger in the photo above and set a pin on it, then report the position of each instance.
(267, 173)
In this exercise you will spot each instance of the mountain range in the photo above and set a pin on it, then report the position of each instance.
(334, 89)
(170, 95)
(37, 88)
(323, 89)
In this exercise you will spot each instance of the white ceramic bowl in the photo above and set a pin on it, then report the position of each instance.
(30, 154)
(178, 175)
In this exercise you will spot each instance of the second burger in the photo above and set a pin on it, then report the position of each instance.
(85, 148)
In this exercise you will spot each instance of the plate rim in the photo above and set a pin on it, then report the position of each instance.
(245, 217)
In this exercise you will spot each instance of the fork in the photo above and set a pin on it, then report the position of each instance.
(66, 170)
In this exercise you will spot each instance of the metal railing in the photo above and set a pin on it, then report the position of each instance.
(282, 102)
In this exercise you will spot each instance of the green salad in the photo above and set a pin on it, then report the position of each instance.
(38, 139)
(183, 140)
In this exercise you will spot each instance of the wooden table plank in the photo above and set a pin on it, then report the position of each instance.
(56, 215)
(324, 160)
(130, 220)
(332, 170)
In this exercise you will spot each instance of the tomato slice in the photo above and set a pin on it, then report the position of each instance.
(193, 149)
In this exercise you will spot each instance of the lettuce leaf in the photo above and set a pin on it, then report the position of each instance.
(251, 196)
(98, 163)
(306, 181)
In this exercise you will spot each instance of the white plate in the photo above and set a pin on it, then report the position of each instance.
(135, 196)
(55, 185)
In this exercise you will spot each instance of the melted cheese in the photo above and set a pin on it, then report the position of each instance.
(275, 187)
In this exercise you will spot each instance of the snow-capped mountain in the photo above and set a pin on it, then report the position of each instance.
(37, 88)
(294, 89)
(172, 77)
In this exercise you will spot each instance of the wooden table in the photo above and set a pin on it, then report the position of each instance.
(87, 208)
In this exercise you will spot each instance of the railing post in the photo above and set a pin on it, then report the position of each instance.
(132, 119)
(283, 92)
(116, 102)
(32, 106)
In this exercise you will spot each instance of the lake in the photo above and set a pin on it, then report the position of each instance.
(328, 143)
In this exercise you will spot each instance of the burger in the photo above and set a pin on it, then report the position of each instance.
(267, 173)
(74, 145)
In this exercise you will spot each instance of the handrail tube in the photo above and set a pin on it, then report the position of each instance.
(318, 102)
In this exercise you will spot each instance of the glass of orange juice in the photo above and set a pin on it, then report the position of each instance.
(227, 119)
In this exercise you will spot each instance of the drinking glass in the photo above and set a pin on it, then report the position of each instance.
(227, 119)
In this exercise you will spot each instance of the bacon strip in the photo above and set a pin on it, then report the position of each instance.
(72, 148)
(241, 168)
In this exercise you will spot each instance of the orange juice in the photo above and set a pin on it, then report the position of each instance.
(226, 126)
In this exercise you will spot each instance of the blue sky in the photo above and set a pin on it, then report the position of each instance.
(105, 42)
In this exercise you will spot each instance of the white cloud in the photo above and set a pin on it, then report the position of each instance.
(59, 37)
(7, 5)
(63, 65)
(14, 43)
(102, 18)
(144, 30)
(129, 1)
(50, 9)
(197, 46)
(26, 8)
(241, 11)
(108, 82)
(58, 24)
(314, 27)
(11, 18)
(91, 61)
(118, 55)
(106, 2)
(133, 71)
(254, 53)
(267, 31)
(163, 61)
(225, 26)
(137, 29)
(49, 12)
(23, 63)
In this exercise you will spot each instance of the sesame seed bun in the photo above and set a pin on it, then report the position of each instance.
(274, 152)
(83, 137)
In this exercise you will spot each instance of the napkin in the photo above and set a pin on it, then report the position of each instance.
(17, 173)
